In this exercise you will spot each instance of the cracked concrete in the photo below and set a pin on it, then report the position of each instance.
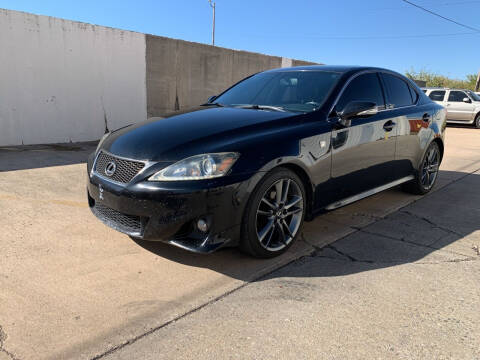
(74, 289)
(391, 289)
(4, 353)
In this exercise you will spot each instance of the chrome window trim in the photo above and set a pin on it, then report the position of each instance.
(383, 87)
(94, 172)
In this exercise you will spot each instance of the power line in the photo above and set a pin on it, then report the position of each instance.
(355, 37)
(436, 4)
(441, 16)
(380, 37)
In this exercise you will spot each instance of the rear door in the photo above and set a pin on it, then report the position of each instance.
(457, 109)
(363, 151)
(413, 122)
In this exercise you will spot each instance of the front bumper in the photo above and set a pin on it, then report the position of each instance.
(169, 212)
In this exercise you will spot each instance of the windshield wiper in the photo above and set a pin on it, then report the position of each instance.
(213, 104)
(262, 107)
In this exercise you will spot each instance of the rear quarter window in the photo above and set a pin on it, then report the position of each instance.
(413, 93)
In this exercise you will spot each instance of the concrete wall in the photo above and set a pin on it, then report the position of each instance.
(181, 74)
(65, 81)
(60, 79)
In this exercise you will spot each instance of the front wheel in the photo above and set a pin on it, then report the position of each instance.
(274, 214)
(427, 173)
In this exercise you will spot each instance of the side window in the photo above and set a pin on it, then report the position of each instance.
(398, 91)
(437, 95)
(457, 96)
(365, 87)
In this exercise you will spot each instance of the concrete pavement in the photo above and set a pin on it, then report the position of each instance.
(72, 288)
(404, 287)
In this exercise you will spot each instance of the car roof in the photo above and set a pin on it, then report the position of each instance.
(332, 68)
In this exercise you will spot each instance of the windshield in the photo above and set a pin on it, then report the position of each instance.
(474, 96)
(296, 91)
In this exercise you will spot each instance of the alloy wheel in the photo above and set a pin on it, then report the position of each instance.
(279, 214)
(430, 167)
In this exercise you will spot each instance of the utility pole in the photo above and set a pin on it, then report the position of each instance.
(477, 85)
(213, 23)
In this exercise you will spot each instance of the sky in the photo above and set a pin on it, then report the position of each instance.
(384, 33)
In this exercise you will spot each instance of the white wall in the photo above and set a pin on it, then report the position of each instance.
(59, 79)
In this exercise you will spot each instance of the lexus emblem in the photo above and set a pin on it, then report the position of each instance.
(110, 168)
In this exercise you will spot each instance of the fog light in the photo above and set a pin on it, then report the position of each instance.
(202, 225)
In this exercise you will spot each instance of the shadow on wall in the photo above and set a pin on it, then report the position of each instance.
(40, 156)
(408, 235)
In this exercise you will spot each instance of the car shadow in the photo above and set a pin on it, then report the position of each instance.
(460, 126)
(414, 233)
(39, 156)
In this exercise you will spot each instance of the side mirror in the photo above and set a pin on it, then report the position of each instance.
(359, 109)
(211, 98)
(467, 100)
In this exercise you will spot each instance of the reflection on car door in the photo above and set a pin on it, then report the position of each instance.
(363, 152)
(457, 109)
(413, 122)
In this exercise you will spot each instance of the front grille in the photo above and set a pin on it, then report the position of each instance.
(128, 224)
(125, 169)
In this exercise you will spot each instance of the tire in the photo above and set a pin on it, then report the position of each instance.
(272, 222)
(426, 176)
(476, 123)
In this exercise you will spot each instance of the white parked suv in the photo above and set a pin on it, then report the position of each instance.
(463, 106)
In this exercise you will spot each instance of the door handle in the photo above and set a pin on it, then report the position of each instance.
(388, 126)
(426, 117)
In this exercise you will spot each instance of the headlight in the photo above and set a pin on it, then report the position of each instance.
(205, 166)
(101, 141)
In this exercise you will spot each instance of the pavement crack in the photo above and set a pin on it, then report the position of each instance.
(432, 223)
(349, 257)
(476, 249)
(427, 246)
(3, 337)
(469, 259)
(316, 252)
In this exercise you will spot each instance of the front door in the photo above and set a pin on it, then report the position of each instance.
(364, 151)
(457, 109)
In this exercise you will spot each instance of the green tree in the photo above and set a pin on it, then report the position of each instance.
(436, 80)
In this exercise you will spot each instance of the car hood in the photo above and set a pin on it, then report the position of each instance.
(190, 132)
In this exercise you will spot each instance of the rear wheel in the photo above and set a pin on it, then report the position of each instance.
(274, 214)
(477, 121)
(427, 173)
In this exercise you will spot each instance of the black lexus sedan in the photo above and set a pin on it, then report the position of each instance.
(279, 147)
